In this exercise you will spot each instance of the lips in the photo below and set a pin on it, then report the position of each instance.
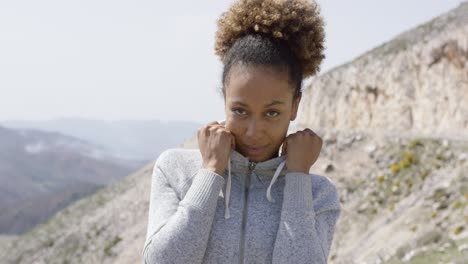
(254, 150)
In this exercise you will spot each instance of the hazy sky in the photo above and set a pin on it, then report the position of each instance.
(142, 60)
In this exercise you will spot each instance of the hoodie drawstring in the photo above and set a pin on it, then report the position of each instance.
(275, 176)
(227, 214)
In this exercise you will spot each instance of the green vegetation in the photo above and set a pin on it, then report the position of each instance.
(409, 165)
(110, 245)
(458, 230)
(450, 254)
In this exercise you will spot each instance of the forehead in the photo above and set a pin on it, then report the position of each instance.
(257, 84)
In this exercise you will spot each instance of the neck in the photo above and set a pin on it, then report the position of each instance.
(274, 155)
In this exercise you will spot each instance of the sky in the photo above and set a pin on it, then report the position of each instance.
(147, 60)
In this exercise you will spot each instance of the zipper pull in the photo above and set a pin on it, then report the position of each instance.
(252, 165)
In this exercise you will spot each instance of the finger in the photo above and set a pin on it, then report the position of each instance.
(284, 147)
(233, 142)
(208, 126)
(215, 127)
(212, 129)
(295, 134)
(212, 123)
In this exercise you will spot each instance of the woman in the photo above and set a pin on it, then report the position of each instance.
(236, 199)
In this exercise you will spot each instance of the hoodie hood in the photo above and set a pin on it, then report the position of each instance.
(267, 171)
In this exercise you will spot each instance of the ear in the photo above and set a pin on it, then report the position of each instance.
(295, 107)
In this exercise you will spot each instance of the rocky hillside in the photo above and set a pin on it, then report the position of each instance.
(395, 145)
(417, 83)
(42, 172)
(395, 124)
(403, 198)
(106, 227)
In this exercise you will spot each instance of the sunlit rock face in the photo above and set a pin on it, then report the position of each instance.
(416, 83)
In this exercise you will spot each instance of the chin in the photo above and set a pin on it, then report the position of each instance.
(262, 157)
(256, 159)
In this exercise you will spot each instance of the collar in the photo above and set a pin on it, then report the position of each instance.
(264, 169)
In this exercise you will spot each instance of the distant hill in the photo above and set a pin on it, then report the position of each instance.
(106, 227)
(42, 172)
(142, 140)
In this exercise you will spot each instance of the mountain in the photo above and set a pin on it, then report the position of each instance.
(395, 126)
(141, 140)
(42, 172)
(106, 227)
(415, 84)
(403, 190)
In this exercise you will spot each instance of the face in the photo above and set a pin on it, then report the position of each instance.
(259, 106)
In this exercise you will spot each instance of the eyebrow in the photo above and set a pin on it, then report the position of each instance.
(275, 102)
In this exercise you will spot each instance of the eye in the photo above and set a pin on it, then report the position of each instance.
(273, 113)
(238, 111)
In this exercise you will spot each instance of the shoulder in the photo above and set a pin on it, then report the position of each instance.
(325, 194)
(178, 164)
(177, 157)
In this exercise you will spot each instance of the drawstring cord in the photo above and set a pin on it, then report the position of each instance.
(275, 176)
(227, 214)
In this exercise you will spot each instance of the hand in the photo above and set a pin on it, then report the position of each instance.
(215, 143)
(302, 149)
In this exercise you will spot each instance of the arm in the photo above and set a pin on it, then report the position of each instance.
(178, 230)
(305, 234)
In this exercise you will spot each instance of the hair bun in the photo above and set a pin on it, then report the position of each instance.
(297, 22)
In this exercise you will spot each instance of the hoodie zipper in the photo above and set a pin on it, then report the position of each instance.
(244, 211)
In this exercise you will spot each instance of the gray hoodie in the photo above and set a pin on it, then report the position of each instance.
(253, 213)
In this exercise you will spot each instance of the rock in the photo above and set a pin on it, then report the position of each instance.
(347, 140)
(329, 139)
(430, 237)
(440, 205)
(444, 224)
(371, 149)
(408, 256)
(462, 157)
(449, 154)
(358, 137)
(445, 143)
(463, 248)
(447, 245)
(363, 207)
(328, 167)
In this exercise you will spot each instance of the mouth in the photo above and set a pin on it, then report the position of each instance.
(254, 150)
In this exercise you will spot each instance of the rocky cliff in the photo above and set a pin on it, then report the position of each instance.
(395, 126)
(417, 83)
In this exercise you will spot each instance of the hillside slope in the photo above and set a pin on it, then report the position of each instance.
(106, 227)
(42, 172)
(416, 83)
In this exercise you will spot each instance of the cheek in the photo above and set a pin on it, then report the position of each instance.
(278, 131)
(232, 126)
(237, 128)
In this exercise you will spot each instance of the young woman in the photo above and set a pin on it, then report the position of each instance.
(237, 199)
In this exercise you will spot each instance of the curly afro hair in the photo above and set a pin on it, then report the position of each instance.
(279, 33)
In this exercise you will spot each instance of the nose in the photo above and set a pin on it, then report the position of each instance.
(254, 130)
